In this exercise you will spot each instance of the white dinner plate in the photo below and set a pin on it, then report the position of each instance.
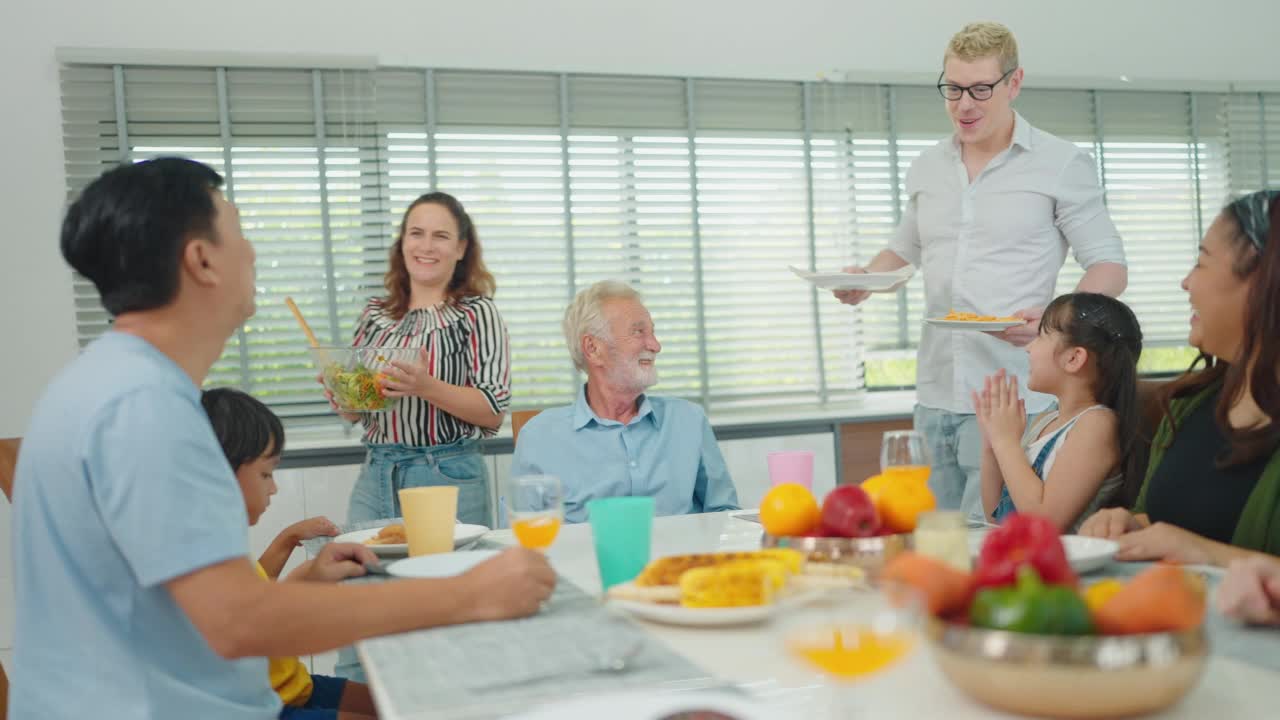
(441, 565)
(979, 325)
(673, 614)
(462, 534)
(875, 282)
(1085, 554)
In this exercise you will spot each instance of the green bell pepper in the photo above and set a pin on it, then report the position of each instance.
(1030, 606)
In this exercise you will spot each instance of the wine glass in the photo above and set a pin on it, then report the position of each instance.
(535, 509)
(853, 635)
(905, 454)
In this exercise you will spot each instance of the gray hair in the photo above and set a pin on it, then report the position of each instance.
(585, 316)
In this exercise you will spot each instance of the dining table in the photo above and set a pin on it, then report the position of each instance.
(580, 644)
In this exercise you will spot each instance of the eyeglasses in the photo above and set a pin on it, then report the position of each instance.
(979, 92)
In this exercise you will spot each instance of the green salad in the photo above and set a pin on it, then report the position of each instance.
(359, 388)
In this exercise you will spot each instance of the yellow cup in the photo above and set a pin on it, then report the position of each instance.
(429, 517)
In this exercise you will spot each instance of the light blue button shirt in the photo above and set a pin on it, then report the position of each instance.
(121, 487)
(667, 451)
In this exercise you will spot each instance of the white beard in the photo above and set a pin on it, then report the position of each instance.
(633, 376)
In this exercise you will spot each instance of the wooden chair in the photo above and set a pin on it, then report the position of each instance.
(8, 463)
(518, 419)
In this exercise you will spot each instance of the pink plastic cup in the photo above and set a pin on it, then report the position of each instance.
(791, 466)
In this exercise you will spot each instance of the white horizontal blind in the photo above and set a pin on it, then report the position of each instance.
(175, 111)
(851, 214)
(499, 150)
(1212, 155)
(1271, 137)
(632, 221)
(753, 221)
(1148, 165)
(91, 142)
(1253, 135)
(854, 217)
(300, 161)
(511, 182)
(697, 192)
(632, 208)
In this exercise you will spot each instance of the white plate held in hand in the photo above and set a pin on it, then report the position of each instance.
(978, 325)
(874, 282)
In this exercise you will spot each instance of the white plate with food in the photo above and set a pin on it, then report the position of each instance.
(390, 540)
(727, 588)
(1085, 554)
(874, 282)
(440, 565)
(979, 325)
(676, 614)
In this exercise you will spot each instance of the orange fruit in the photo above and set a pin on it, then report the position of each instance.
(789, 509)
(1162, 598)
(899, 500)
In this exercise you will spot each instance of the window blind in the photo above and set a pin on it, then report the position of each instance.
(697, 192)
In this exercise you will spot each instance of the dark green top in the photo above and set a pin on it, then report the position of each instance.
(1258, 527)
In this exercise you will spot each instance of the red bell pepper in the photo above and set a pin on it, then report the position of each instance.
(1023, 540)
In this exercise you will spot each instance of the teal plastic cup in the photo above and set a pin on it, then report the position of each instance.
(622, 529)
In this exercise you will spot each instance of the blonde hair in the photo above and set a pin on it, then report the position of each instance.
(979, 40)
(585, 316)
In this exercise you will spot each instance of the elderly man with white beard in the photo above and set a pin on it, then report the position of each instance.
(615, 440)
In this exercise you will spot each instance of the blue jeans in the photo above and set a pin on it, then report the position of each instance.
(391, 468)
(956, 445)
(326, 695)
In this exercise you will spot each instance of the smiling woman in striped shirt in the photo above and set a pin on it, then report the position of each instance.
(440, 299)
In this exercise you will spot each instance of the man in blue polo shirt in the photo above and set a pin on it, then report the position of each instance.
(135, 595)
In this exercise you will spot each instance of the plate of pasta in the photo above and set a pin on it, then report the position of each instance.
(956, 320)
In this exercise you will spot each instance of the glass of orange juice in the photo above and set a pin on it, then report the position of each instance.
(535, 509)
(853, 636)
(904, 453)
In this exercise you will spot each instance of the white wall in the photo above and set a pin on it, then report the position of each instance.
(1186, 43)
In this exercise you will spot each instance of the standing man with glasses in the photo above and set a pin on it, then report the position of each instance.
(989, 216)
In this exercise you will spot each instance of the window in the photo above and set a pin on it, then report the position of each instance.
(697, 192)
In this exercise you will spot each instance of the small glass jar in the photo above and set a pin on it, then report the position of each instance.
(944, 535)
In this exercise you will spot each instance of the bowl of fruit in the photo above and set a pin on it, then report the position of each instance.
(864, 525)
(1022, 634)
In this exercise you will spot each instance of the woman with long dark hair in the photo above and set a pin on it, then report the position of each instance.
(440, 300)
(1212, 486)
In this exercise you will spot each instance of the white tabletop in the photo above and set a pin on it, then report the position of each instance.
(751, 656)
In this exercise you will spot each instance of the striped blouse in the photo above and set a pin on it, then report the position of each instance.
(466, 344)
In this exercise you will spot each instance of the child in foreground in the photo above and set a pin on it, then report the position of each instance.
(252, 438)
(1075, 459)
